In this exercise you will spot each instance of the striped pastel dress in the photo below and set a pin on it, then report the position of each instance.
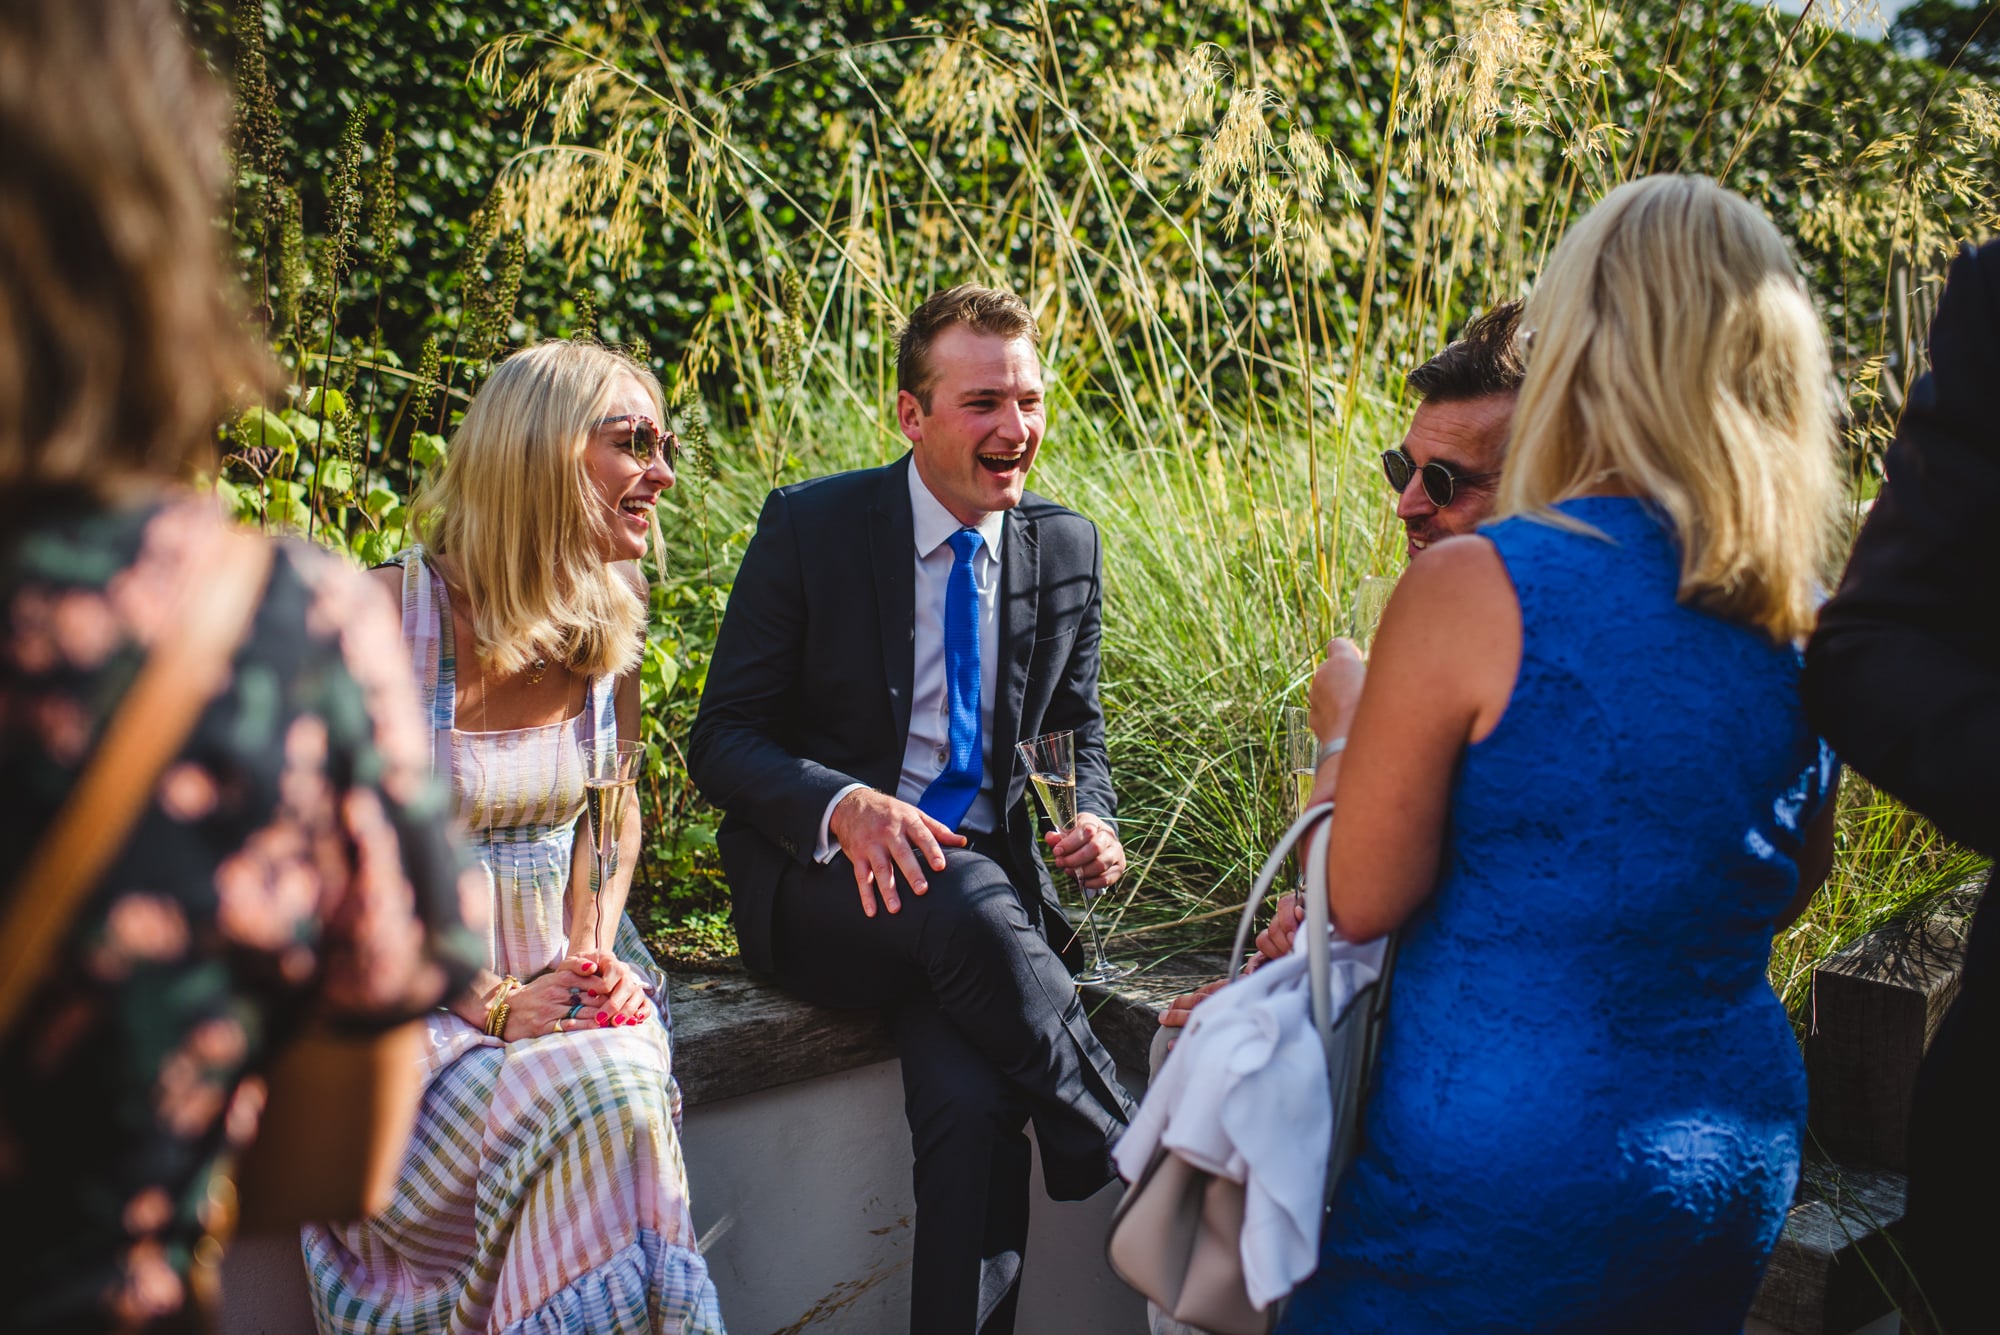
(544, 1190)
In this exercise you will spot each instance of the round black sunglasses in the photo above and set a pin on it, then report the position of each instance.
(1441, 481)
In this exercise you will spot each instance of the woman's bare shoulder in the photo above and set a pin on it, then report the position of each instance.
(1460, 628)
(1465, 575)
(390, 580)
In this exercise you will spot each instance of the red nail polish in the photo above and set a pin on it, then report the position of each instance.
(588, 967)
(603, 1019)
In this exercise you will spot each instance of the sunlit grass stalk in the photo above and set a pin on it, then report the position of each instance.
(1226, 323)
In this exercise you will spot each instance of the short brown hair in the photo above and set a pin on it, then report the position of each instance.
(1484, 359)
(990, 310)
(120, 345)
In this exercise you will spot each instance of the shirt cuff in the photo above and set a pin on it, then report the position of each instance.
(824, 850)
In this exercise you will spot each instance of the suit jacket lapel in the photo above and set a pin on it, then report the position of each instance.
(1020, 592)
(891, 547)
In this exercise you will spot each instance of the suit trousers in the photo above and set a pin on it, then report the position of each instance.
(1953, 1160)
(992, 1035)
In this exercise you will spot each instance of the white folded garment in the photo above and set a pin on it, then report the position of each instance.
(1244, 1095)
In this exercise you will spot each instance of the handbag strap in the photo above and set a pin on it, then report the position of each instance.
(1245, 925)
(187, 667)
(1313, 823)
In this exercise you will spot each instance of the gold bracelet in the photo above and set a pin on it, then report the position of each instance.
(496, 1013)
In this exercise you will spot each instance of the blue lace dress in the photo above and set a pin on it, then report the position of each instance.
(1589, 1105)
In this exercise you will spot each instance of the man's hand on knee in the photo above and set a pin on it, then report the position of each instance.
(880, 833)
(1089, 850)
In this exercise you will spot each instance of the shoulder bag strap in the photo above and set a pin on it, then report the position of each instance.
(1312, 826)
(187, 667)
(1312, 816)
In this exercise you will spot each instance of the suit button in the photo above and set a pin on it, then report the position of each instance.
(943, 755)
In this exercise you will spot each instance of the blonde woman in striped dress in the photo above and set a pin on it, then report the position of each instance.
(544, 1189)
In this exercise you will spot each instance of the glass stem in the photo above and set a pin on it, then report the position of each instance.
(607, 867)
(1090, 921)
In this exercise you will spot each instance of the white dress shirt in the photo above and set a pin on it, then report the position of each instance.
(927, 751)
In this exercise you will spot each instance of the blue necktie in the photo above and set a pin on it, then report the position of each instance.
(950, 795)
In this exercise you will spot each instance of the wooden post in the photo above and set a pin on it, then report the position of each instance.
(1876, 1006)
(1835, 1267)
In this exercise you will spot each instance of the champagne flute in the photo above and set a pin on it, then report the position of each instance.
(1301, 757)
(610, 783)
(1301, 767)
(1371, 595)
(1051, 763)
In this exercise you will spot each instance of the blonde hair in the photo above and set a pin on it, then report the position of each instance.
(120, 339)
(514, 506)
(1674, 347)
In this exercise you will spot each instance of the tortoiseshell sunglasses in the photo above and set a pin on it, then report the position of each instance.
(647, 439)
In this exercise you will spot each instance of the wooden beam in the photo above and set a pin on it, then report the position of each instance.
(1836, 1267)
(1875, 1008)
(734, 1035)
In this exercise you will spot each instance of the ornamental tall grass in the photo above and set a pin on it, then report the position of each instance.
(1239, 227)
(1232, 279)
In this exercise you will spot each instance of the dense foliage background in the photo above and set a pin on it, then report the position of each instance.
(1239, 226)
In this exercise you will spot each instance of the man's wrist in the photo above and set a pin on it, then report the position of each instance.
(827, 846)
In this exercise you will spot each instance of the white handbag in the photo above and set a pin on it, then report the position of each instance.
(1176, 1237)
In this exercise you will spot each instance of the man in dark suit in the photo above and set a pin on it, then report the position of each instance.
(891, 634)
(1903, 677)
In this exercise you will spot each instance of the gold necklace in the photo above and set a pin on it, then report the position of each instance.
(536, 670)
(540, 666)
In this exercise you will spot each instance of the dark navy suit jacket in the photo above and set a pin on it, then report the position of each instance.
(1903, 676)
(809, 688)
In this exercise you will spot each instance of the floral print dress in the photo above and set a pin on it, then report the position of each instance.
(293, 864)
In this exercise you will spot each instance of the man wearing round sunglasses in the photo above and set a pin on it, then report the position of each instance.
(1444, 474)
(1448, 465)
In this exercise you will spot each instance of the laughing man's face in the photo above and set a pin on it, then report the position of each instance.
(1470, 437)
(975, 443)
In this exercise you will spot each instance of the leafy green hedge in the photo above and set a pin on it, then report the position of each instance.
(1238, 238)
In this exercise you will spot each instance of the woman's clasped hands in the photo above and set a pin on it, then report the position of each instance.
(583, 993)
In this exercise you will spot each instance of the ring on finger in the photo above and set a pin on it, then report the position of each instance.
(574, 1011)
(557, 1027)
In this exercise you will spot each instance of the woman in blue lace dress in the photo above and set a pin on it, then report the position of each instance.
(1582, 784)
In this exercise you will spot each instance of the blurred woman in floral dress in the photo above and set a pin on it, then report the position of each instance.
(291, 863)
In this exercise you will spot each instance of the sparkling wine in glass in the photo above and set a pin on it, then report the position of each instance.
(1301, 768)
(1051, 764)
(1371, 595)
(1301, 758)
(610, 785)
